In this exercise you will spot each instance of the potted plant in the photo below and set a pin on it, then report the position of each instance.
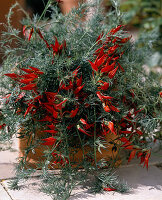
(76, 93)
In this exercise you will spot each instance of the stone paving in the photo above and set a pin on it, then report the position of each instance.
(143, 183)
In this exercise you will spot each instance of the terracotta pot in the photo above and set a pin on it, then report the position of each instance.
(76, 154)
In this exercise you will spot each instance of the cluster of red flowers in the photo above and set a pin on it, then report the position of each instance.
(106, 65)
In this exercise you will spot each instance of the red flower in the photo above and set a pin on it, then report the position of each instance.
(125, 132)
(87, 126)
(113, 108)
(27, 70)
(50, 131)
(97, 63)
(74, 112)
(30, 107)
(2, 126)
(99, 38)
(57, 48)
(75, 72)
(51, 126)
(51, 110)
(83, 131)
(94, 67)
(124, 40)
(111, 127)
(24, 29)
(107, 108)
(105, 85)
(32, 75)
(12, 75)
(102, 97)
(107, 68)
(132, 155)
(36, 70)
(63, 87)
(121, 67)
(29, 87)
(147, 159)
(60, 105)
(112, 49)
(78, 89)
(139, 132)
(114, 30)
(41, 36)
(31, 33)
(113, 72)
(27, 81)
(79, 81)
(49, 141)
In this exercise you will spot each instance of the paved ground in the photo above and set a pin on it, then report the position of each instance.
(143, 183)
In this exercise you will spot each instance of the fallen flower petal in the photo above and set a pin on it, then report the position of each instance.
(109, 189)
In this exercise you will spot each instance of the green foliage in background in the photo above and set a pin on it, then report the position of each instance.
(144, 16)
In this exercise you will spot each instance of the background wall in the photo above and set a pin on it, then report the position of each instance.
(4, 9)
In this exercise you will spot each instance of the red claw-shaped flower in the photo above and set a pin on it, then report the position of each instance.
(49, 141)
(112, 73)
(29, 87)
(111, 127)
